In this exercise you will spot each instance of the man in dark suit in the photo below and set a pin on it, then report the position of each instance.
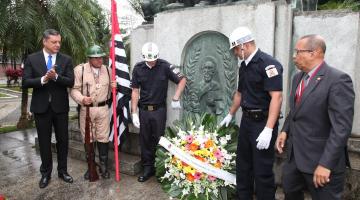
(318, 125)
(50, 73)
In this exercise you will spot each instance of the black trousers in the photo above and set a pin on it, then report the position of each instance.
(295, 182)
(44, 123)
(152, 127)
(254, 165)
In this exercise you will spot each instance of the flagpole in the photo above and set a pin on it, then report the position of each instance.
(116, 152)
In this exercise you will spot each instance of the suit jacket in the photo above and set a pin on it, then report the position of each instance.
(319, 126)
(54, 92)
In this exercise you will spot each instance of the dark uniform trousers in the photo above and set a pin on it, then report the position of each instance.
(295, 182)
(44, 122)
(253, 164)
(152, 127)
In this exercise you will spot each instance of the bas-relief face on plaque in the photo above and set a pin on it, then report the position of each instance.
(211, 71)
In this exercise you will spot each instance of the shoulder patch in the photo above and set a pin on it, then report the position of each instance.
(271, 71)
(176, 70)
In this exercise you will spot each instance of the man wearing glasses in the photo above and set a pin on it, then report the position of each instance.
(318, 125)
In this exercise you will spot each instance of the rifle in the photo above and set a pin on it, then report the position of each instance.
(93, 175)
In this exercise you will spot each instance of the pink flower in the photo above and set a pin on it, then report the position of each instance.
(189, 139)
(218, 154)
(197, 175)
(211, 178)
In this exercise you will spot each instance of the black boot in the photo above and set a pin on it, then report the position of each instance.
(103, 158)
(86, 175)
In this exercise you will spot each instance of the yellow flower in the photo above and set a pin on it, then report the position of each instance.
(189, 170)
(205, 152)
(198, 153)
(179, 165)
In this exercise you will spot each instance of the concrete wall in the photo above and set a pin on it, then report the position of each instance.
(341, 33)
(138, 37)
(276, 29)
(173, 29)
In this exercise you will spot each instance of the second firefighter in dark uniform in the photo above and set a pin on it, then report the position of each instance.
(150, 84)
(260, 95)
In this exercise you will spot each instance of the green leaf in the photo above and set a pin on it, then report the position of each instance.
(223, 193)
(175, 191)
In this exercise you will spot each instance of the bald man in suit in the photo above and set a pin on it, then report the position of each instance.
(318, 125)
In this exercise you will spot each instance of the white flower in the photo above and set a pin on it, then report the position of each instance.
(201, 128)
(228, 137)
(228, 156)
(182, 176)
(223, 141)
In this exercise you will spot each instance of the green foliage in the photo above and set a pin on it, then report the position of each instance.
(353, 5)
(6, 129)
(12, 128)
(80, 22)
(2, 95)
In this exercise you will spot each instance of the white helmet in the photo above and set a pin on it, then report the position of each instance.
(150, 51)
(240, 35)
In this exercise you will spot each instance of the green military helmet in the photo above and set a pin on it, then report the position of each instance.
(95, 51)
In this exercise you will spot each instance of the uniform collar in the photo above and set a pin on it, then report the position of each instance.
(251, 56)
(148, 65)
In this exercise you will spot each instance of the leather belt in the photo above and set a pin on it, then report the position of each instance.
(151, 107)
(103, 103)
(255, 114)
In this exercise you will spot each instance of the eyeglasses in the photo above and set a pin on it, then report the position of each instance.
(297, 51)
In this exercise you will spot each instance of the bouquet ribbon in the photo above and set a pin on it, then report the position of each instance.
(197, 164)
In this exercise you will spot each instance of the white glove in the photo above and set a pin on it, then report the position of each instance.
(135, 120)
(226, 120)
(175, 104)
(264, 138)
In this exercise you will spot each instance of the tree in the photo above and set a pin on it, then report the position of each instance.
(23, 22)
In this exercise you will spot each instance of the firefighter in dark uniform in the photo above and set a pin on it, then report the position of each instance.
(259, 94)
(150, 83)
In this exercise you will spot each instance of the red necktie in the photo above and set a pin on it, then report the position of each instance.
(300, 89)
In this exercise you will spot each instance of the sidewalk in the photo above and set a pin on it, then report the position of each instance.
(19, 172)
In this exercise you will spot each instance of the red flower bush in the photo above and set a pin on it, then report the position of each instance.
(13, 74)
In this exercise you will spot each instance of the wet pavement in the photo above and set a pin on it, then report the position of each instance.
(19, 176)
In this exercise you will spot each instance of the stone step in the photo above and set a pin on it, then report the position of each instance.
(129, 164)
(130, 140)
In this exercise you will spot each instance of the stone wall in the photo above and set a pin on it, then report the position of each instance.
(172, 31)
(276, 29)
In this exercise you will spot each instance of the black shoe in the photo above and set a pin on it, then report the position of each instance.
(44, 181)
(66, 177)
(146, 176)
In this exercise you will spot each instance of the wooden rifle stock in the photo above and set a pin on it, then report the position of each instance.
(93, 175)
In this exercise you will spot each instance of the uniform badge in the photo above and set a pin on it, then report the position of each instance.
(271, 71)
(176, 70)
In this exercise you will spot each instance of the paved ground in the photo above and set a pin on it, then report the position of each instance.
(19, 168)
(19, 172)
